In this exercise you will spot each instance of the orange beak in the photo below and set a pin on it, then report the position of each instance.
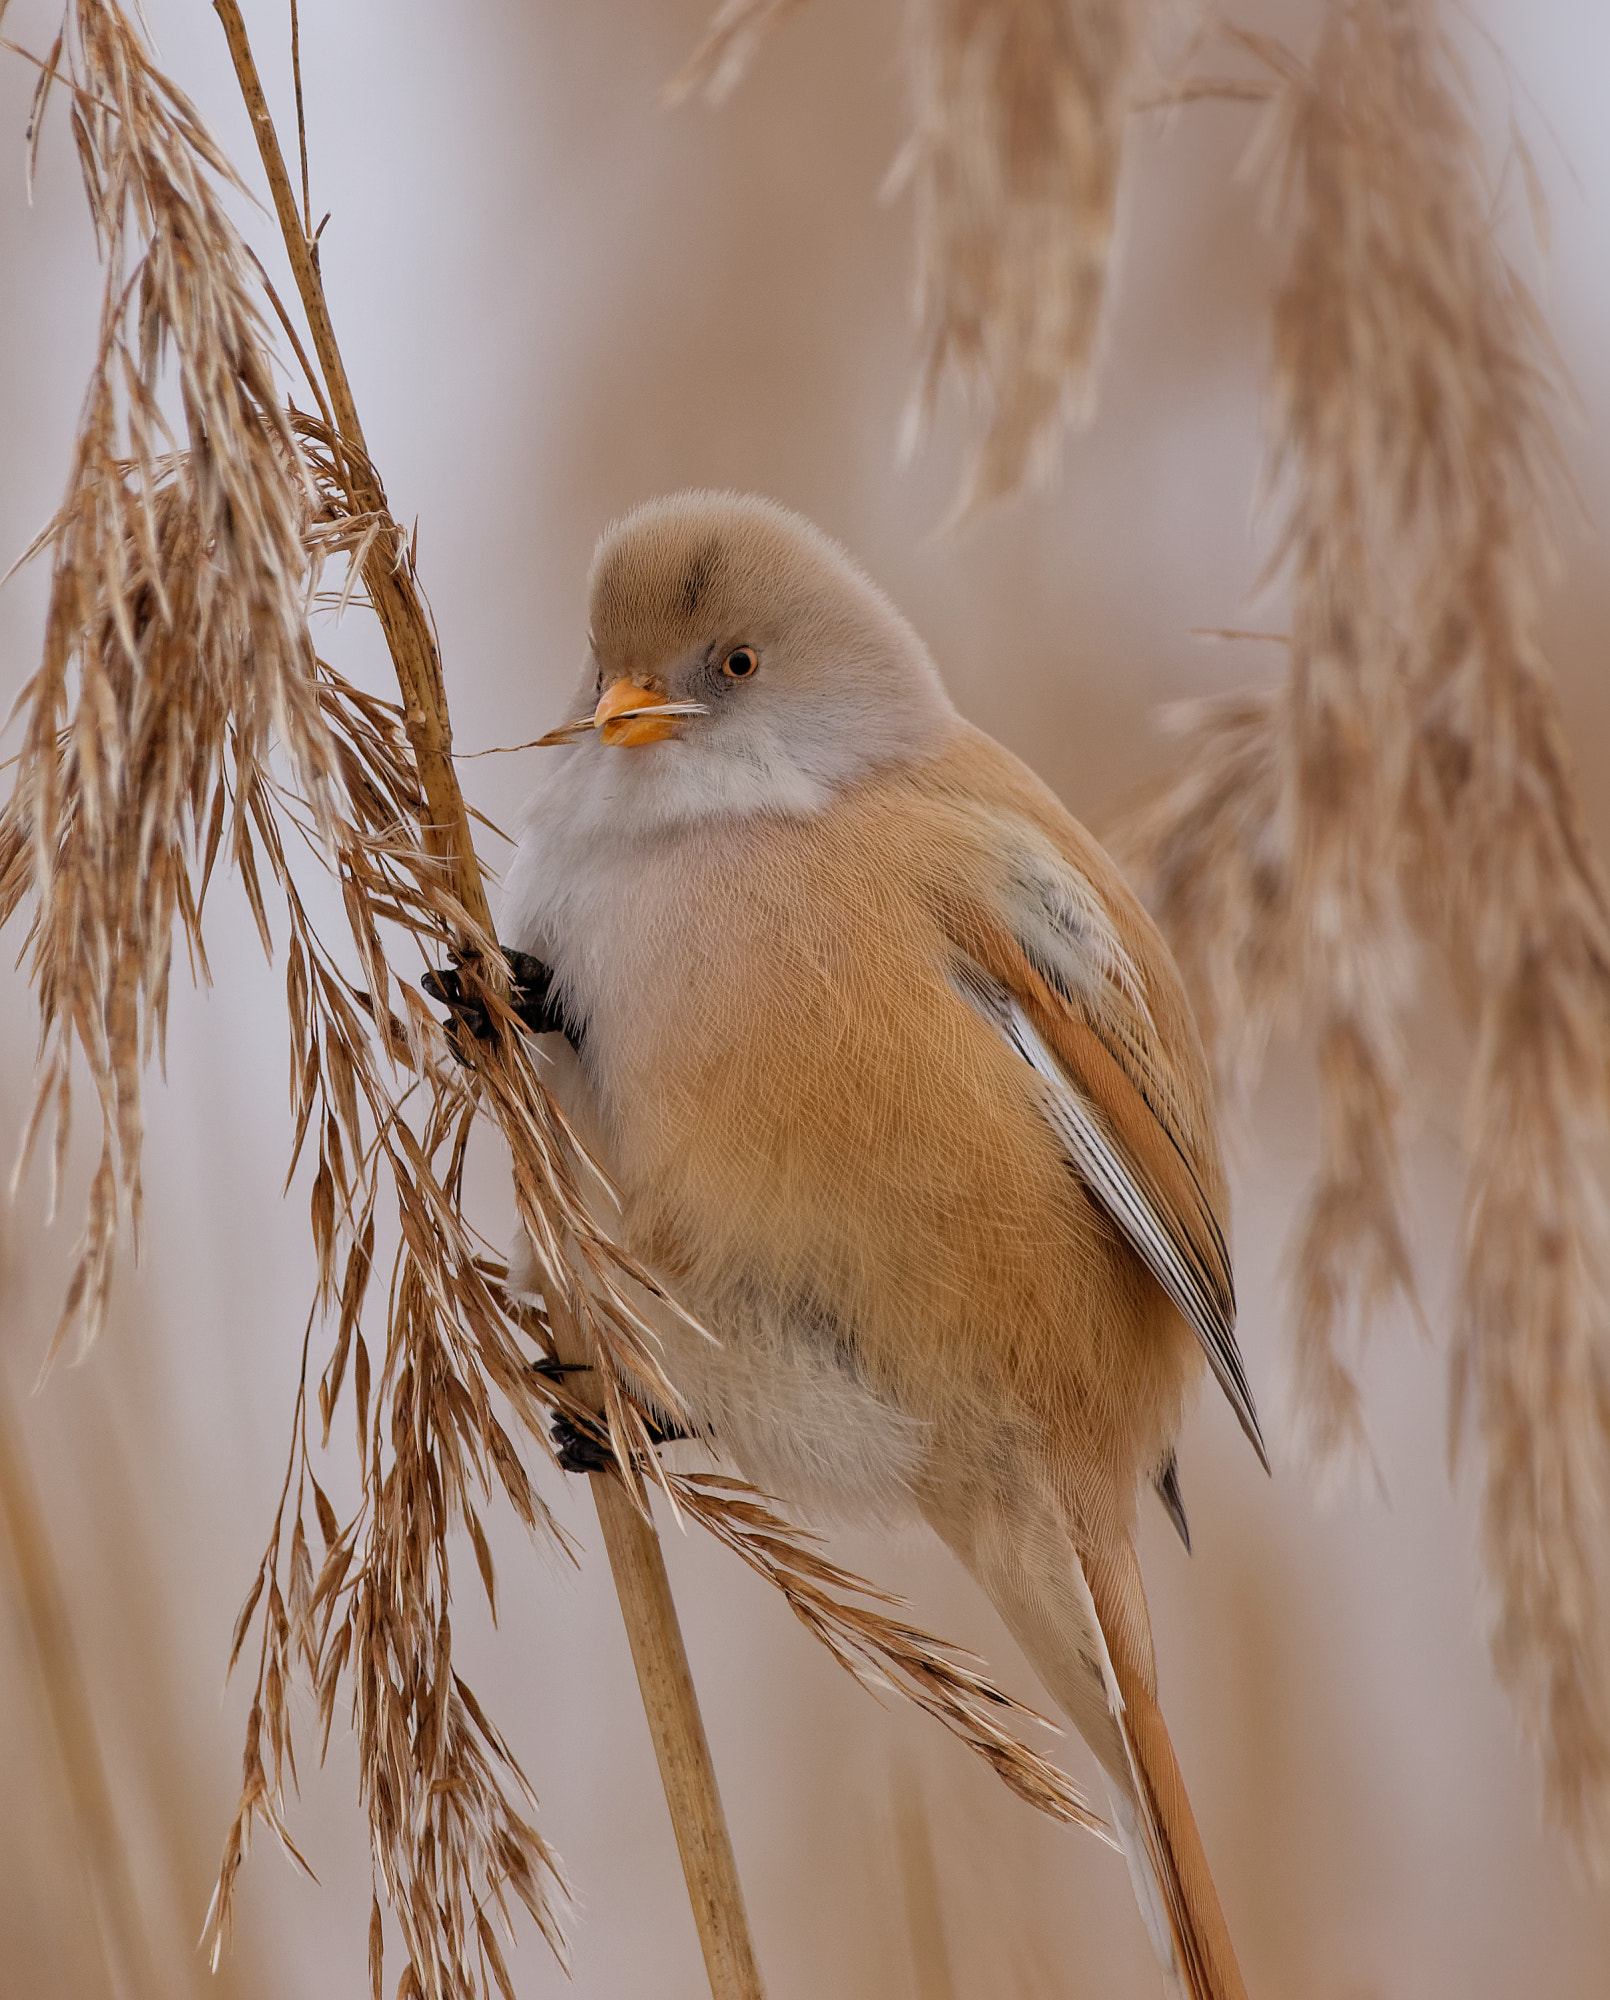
(627, 714)
(619, 717)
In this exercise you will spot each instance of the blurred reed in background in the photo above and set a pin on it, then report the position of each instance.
(1407, 791)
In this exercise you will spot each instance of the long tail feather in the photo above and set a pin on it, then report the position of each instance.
(1080, 1616)
(1206, 1961)
(1143, 1879)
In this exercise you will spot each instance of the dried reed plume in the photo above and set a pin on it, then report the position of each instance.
(879, 1651)
(1410, 781)
(1013, 165)
(182, 665)
(177, 638)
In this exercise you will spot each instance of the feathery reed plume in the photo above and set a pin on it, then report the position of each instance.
(162, 672)
(1341, 432)
(1020, 108)
(1013, 165)
(182, 583)
(1412, 773)
(446, 1799)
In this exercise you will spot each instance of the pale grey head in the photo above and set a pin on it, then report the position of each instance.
(785, 673)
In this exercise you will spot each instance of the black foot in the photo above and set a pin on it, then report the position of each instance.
(535, 1002)
(579, 1450)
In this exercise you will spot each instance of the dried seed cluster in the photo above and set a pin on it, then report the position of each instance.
(1013, 165)
(176, 635)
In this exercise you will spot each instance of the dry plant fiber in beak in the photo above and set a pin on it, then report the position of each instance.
(902, 1099)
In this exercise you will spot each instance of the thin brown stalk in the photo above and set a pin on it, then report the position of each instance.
(687, 1774)
(396, 600)
(665, 1681)
(301, 131)
(64, 1701)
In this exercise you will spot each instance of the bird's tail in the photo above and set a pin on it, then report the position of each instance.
(1170, 1872)
(1080, 1616)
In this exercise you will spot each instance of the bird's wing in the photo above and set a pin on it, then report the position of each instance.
(1123, 1150)
(1061, 961)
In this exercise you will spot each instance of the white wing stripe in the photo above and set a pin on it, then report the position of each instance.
(1101, 1165)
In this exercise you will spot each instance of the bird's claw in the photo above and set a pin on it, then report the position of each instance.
(446, 988)
(578, 1449)
(586, 1448)
(531, 998)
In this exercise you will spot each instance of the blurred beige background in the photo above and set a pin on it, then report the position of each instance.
(554, 300)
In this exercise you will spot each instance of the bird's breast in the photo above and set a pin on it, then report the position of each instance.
(796, 1103)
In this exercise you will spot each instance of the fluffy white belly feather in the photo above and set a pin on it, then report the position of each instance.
(595, 879)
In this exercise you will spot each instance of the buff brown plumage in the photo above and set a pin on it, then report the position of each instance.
(900, 1093)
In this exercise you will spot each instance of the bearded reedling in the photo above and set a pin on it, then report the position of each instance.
(899, 1090)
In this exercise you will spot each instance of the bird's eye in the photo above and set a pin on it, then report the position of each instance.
(740, 663)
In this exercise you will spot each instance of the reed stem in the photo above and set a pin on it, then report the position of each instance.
(666, 1685)
(635, 1558)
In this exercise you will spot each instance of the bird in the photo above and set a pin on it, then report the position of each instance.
(899, 1092)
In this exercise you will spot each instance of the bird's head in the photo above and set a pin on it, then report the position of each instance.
(735, 642)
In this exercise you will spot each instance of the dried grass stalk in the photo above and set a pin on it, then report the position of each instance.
(1411, 777)
(177, 639)
(1013, 165)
